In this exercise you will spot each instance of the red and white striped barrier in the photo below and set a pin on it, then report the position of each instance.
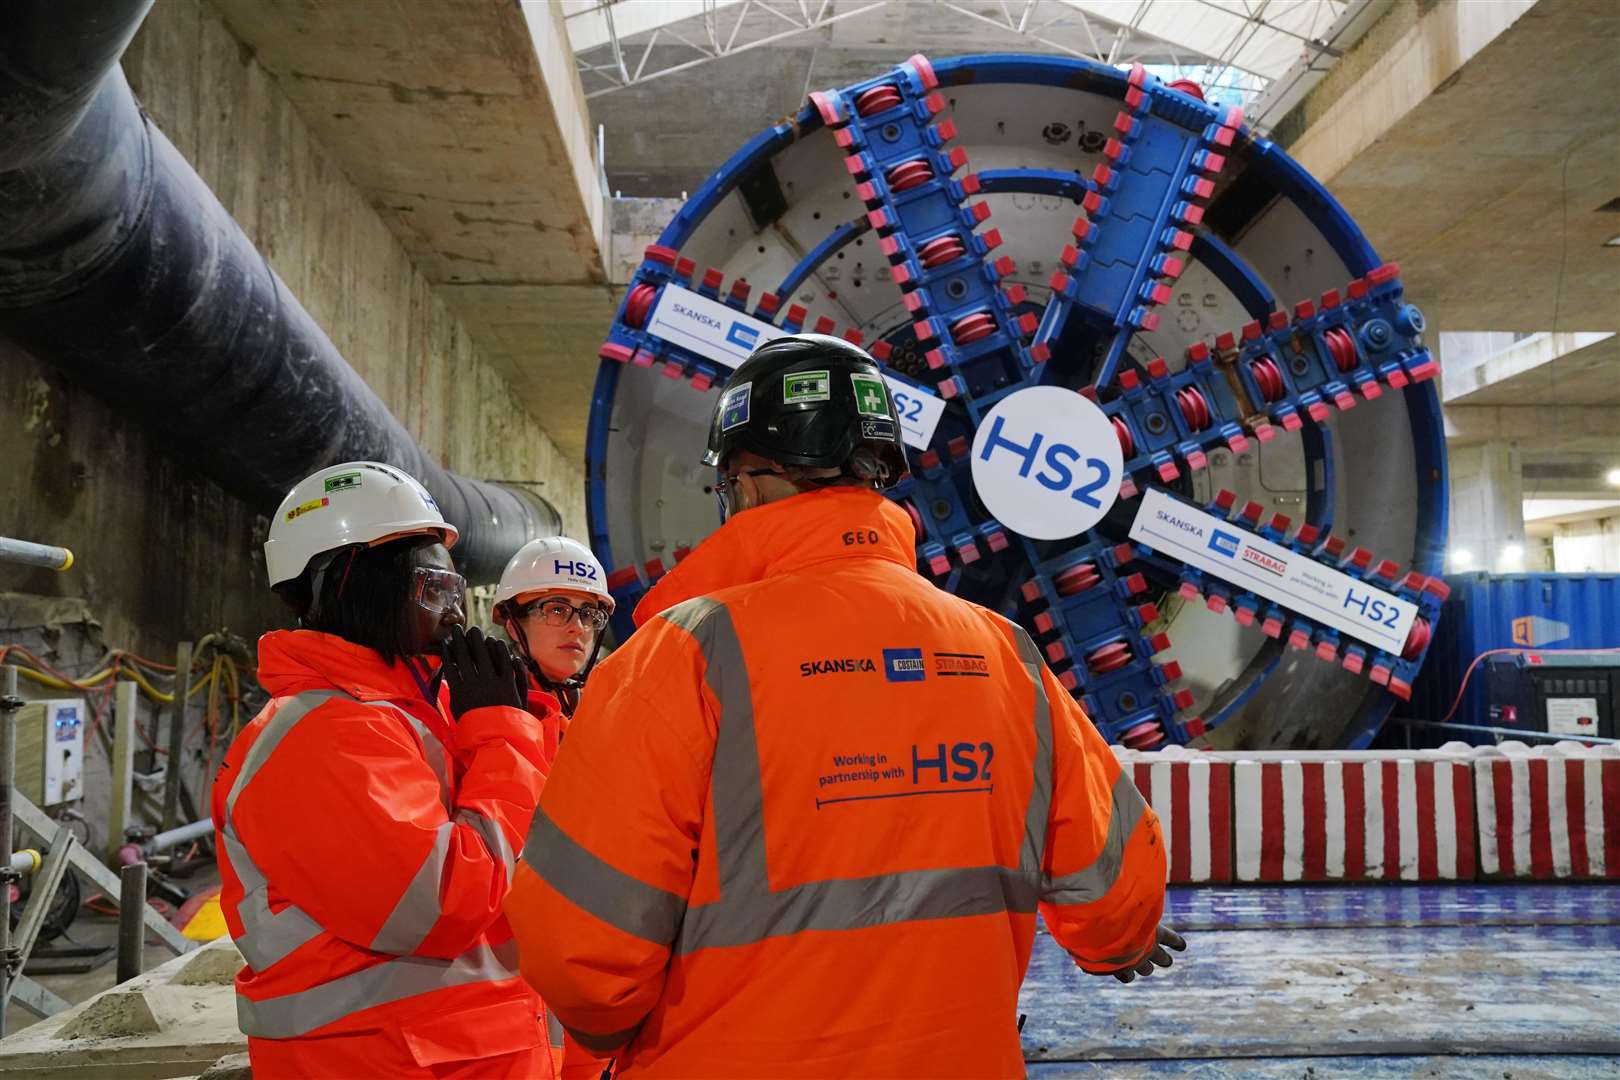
(1548, 812)
(1192, 794)
(1453, 814)
(1354, 817)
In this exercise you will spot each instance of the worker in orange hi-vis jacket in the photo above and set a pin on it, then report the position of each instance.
(803, 822)
(368, 817)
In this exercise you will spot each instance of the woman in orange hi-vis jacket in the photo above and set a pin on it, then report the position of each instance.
(803, 823)
(553, 602)
(368, 818)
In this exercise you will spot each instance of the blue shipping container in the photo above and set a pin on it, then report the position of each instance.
(1510, 611)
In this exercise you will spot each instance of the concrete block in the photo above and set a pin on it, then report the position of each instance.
(174, 1021)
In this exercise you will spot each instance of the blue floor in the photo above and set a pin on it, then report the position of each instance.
(1430, 981)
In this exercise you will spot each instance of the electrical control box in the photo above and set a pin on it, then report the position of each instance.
(1572, 695)
(50, 750)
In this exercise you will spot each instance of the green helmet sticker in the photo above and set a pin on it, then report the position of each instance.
(799, 387)
(871, 396)
(342, 481)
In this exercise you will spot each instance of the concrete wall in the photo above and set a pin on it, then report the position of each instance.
(164, 553)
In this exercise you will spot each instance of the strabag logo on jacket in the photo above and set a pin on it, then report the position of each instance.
(835, 667)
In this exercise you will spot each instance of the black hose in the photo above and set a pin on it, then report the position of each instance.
(119, 266)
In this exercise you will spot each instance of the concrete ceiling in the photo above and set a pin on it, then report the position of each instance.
(439, 114)
(1492, 175)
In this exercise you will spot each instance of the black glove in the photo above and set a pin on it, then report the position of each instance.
(1157, 957)
(481, 672)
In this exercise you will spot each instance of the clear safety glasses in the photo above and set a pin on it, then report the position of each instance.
(555, 612)
(439, 590)
(725, 483)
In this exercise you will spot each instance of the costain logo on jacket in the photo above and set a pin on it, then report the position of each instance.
(904, 665)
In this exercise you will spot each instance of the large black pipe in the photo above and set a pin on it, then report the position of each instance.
(118, 265)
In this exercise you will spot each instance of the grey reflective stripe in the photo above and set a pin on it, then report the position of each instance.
(267, 937)
(854, 903)
(602, 1044)
(493, 835)
(1093, 883)
(633, 906)
(437, 757)
(554, 1029)
(292, 1015)
(1039, 811)
(416, 911)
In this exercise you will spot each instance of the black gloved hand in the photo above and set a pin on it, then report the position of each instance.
(1157, 957)
(480, 672)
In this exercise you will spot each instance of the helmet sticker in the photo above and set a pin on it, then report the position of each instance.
(871, 397)
(342, 482)
(303, 508)
(878, 429)
(799, 387)
(734, 406)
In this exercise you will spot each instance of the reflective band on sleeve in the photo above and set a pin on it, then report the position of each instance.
(633, 906)
(493, 835)
(1039, 811)
(1092, 883)
(554, 1029)
(438, 760)
(267, 937)
(292, 1015)
(417, 910)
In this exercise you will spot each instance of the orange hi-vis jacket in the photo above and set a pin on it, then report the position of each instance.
(802, 822)
(366, 842)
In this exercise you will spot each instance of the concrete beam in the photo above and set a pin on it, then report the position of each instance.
(1576, 369)
(464, 124)
(1476, 142)
(1593, 429)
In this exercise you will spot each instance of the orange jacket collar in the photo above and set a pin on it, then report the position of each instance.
(292, 661)
(833, 523)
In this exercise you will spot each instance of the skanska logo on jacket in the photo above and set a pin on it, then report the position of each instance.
(904, 665)
(1225, 543)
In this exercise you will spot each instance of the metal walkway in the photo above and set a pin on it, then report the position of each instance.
(1432, 981)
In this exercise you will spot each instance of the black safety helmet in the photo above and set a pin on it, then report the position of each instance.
(808, 399)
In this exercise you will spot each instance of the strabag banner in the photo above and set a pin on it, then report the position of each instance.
(1298, 582)
(726, 336)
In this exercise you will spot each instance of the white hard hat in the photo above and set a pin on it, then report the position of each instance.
(553, 562)
(358, 502)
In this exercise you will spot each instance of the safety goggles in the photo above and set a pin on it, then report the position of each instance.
(725, 483)
(439, 590)
(555, 612)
